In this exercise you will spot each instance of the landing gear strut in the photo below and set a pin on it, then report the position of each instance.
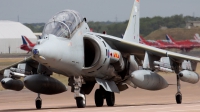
(38, 102)
(79, 97)
(101, 94)
(178, 94)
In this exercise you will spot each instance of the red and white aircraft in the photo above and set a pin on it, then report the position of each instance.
(186, 45)
(27, 44)
(152, 43)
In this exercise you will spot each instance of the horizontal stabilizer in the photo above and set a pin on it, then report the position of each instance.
(108, 85)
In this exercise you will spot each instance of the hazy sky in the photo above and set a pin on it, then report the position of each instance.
(33, 11)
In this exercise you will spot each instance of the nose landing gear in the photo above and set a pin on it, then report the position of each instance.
(79, 97)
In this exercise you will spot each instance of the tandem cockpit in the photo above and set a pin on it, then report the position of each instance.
(63, 24)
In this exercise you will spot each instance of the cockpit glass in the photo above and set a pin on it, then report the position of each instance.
(57, 28)
(63, 24)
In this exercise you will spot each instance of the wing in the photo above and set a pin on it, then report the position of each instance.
(32, 63)
(139, 50)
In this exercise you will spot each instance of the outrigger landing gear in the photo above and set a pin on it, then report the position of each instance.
(38, 102)
(178, 94)
(80, 97)
(101, 94)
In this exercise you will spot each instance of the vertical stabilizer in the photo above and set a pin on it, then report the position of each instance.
(28, 41)
(170, 39)
(142, 40)
(132, 30)
(196, 37)
(24, 41)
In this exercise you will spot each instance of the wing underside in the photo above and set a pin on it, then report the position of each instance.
(29, 61)
(139, 50)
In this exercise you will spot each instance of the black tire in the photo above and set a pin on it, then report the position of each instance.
(80, 102)
(98, 97)
(38, 104)
(178, 99)
(110, 98)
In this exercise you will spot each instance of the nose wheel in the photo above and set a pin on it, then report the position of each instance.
(80, 102)
(38, 102)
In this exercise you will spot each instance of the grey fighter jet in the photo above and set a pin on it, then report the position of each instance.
(68, 47)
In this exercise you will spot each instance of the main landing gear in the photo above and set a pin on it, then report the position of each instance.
(101, 94)
(38, 102)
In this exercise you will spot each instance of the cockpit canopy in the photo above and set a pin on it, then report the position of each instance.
(63, 24)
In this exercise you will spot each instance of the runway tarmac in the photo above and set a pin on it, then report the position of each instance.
(131, 100)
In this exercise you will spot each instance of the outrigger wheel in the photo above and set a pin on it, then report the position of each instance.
(178, 98)
(38, 103)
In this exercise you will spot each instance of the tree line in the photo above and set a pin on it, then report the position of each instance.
(147, 24)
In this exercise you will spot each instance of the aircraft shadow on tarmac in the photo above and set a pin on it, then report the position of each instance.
(91, 106)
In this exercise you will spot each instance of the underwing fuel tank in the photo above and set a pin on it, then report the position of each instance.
(12, 84)
(148, 80)
(44, 84)
(189, 76)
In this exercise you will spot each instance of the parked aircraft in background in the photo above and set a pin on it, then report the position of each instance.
(152, 43)
(183, 45)
(197, 37)
(69, 48)
(169, 45)
(163, 44)
(27, 44)
(186, 45)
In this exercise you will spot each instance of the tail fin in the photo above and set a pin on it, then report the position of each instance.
(196, 37)
(27, 40)
(169, 39)
(132, 30)
(142, 40)
(24, 40)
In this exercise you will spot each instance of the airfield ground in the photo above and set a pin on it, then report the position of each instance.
(131, 100)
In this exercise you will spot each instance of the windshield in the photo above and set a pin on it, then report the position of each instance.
(63, 24)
